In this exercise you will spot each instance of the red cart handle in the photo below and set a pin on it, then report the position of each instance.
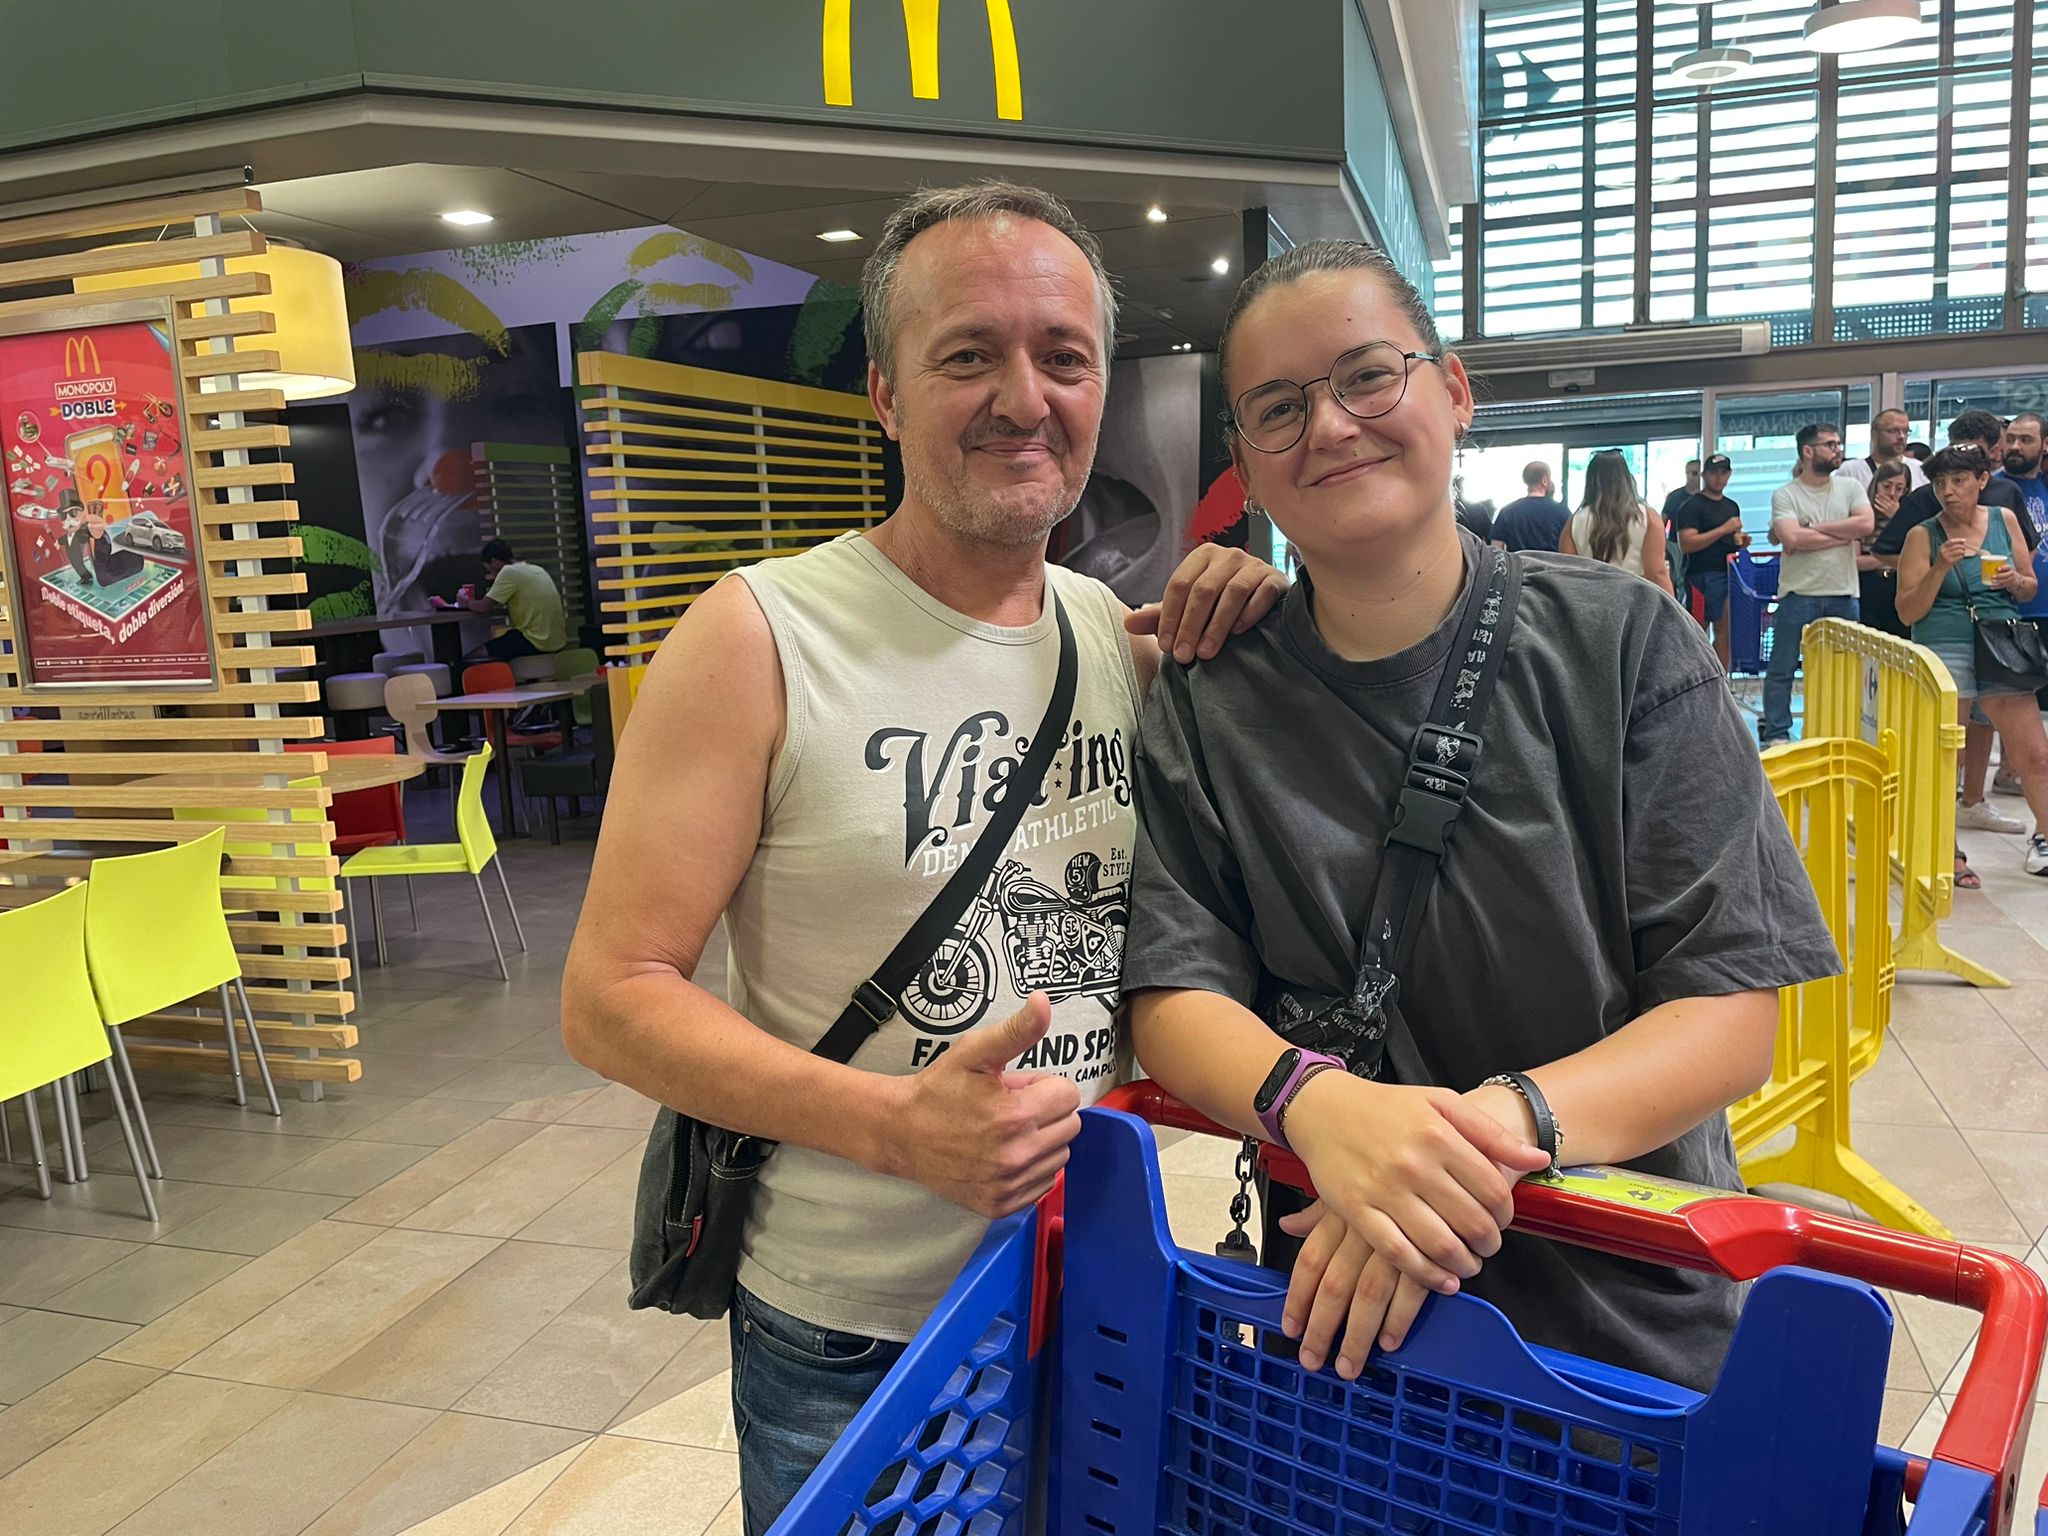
(1740, 1236)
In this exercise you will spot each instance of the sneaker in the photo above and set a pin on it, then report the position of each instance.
(2037, 855)
(2006, 782)
(1982, 818)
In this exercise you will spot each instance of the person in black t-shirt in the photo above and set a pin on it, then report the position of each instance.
(1685, 492)
(1709, 528)
(1535, 521)
(1972, 429)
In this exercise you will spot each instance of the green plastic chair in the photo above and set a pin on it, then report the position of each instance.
(51, 1028)
(156, 934)
(577, 661)
(476, 847)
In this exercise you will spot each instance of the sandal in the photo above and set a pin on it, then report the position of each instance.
(1967, 878)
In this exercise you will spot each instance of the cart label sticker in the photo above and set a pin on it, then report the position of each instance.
(1621, 1187)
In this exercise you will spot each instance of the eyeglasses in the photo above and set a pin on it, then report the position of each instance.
(1367, 381)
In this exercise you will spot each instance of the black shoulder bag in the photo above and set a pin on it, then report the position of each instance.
(696, 1179)
(2009, 652)
(1361, 1026)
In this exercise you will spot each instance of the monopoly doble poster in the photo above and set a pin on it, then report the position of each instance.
(104, 577)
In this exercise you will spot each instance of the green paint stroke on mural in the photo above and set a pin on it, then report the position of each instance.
(429, 373)
(591, 328)
(438, 294)
(504, 260)
(830, 310)
(672, 243)
(323, 546)
(358, 602)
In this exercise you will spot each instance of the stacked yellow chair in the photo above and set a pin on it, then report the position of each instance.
(51, 1028)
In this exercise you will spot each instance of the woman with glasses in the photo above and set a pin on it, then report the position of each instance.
(1592, 964)
(1614, 526)
(1877, 584)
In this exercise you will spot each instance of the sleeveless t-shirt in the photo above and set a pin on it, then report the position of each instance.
(905, 719)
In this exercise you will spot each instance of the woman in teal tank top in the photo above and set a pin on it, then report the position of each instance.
(1957, 570)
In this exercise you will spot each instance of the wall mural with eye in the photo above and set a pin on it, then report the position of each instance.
(477, 345)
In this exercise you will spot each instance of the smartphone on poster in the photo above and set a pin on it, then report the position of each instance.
(96, 470)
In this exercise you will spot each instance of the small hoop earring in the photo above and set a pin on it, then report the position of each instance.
(1252, 508)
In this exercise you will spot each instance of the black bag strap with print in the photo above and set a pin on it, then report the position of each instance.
(875, 1001)
(1441, 762)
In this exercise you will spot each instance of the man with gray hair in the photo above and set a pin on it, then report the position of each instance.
(815, 747)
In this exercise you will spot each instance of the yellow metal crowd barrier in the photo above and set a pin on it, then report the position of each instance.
(1874, 687)
(1840, 798)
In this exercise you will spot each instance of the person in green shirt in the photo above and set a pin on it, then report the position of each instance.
(525, 594)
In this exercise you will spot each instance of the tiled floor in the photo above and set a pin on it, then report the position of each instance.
(403, 1309)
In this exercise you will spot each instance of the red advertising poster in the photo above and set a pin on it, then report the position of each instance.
(104, 577)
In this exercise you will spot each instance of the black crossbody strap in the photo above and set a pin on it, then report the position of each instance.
(1441, 763)
(874, 1001)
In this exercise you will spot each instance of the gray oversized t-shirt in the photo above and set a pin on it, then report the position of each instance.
(1620, 849)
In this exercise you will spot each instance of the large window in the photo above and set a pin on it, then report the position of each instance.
(1861, 198)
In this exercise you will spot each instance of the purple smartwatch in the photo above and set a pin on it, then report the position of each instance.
(1294, 1068)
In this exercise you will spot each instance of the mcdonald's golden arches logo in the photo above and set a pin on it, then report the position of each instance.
(921, 33)
(76, 350)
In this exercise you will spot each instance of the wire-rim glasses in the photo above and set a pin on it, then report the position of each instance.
(1367, 381)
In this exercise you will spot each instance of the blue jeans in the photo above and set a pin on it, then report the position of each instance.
(1795, 612)
(795, 1387)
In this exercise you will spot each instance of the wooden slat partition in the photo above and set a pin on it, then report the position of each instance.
(694, 472)
(526, 496)
(67, 781)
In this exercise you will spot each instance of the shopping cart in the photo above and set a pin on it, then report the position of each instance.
(1752, 600)
(1167, 1403)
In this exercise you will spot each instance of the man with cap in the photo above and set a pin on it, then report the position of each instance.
(1709, 528)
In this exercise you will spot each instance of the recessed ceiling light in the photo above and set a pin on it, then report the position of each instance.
(1859, 26)
(466, 217)
(1156, 215)
(1712, 66)
(838, 236)
(1220, 265)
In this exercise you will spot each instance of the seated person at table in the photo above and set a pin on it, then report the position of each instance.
(526, 595)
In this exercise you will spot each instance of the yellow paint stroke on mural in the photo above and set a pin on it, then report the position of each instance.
(428, 373)
(672, 243)
(371, 293)
(921, 34)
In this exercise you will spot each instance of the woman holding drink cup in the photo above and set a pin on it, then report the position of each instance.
(1957, 573)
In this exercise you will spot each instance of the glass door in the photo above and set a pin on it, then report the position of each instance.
(1758, 430)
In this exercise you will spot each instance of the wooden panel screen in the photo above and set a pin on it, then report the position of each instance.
(695, 472)
(74, 781)
(527, 497)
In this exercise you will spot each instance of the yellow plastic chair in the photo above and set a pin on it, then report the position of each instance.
(156, 934)
(577, 661)
(51, 1028)
(247, 848)
(468, 856)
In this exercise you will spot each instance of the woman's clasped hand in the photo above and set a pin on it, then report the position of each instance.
(1415, 1186)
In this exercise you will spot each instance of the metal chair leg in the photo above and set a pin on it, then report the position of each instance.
(412, 905)
(256, 1045)
(35, 1143)
(134, 1151)
(496, 948)
(377, 922)
(499, 865)
(355, 937)
(67, 1096)
(227, 1019)
(124, 1073)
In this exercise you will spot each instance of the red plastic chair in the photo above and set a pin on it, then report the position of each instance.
(490, 677)
(363, 818)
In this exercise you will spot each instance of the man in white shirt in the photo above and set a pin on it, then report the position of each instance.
(1816, 518)
(1889, 431)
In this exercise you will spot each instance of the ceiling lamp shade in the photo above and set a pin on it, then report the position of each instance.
(1860, 26)
(311, 340)
(1712, 66)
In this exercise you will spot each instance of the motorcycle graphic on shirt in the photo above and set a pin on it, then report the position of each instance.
(1064, 945)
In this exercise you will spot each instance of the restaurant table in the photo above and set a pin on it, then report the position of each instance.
(446, 624)
(343, 775)
(499, 700)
